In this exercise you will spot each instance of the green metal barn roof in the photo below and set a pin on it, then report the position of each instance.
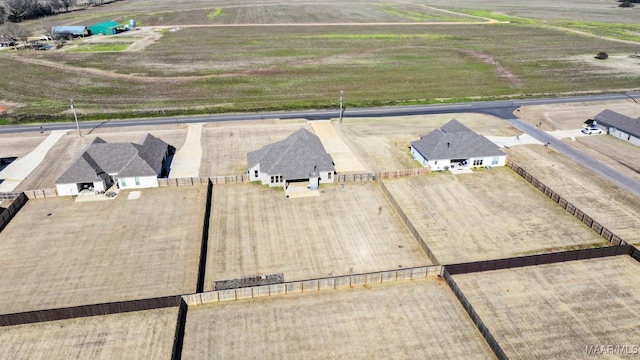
(105, 28)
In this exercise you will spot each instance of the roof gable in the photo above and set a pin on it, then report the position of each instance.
(296, 157)
(121, 159)
(454, 141)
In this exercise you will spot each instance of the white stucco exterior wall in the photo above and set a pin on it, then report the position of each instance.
(143, 182)
(418, 157)
(327, 177)
(67, 189)
(624, 136)
(442, 164)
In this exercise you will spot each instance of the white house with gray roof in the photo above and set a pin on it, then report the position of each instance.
(298, 158)
(455, 145)
(620, 126)
(127, 165)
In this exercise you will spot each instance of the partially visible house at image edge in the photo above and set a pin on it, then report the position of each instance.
(620, 126)
(299, 158)
(127, 165)
(454, 145)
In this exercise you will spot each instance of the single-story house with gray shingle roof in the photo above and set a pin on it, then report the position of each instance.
(127, 165)
(453, 145)
(620, 126)
(298, 158)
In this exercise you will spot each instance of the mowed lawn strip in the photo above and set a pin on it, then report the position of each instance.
(134, 335)
(346, 230)
(555, 311)
(69, 254)
(419, 319)
(489, 214)
(611, 206)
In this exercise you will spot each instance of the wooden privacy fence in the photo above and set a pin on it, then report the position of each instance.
(189, 181)
(367, 176)
(539, 259)
(36, 316)
(328, 283)
(10, 211)
(403, 173)
(477, 321)
(409, 224)
(565, 204)
(42, 193)
(342, 178)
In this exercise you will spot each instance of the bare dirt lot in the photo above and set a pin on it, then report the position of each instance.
(419, 319)
(69, 147)
(352, 229)
(555, 311)
(136, 335)
(489, 214)
(611, 206)
(382, 144)
(67, 254)
(225, 145)
(19, 145)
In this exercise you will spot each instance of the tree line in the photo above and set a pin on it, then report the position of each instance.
(19, 10)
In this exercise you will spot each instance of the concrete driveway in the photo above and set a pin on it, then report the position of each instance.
(186, 161)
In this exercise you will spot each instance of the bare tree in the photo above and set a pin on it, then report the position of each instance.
(66, 4)
(54, 5)
(13, 32)
(46, 27)
(19, 10)
(3, 15)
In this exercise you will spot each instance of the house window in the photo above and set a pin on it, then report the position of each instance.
(280, 178)
(123, 182)
(495, 161)
(272, 178)
(137, 181)
(255, 173)
(477, 162)
(435, 162)
(329, 175)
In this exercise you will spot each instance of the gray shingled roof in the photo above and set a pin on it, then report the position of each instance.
(123, 159)
(621, 122)
(455, 141)
(295, 157)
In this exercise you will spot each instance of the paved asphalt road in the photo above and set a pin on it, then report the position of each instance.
(503, 109)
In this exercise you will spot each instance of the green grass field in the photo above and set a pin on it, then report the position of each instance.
(289, 66)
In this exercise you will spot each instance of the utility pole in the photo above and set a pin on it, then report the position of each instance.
(341, 111)
(75, 116)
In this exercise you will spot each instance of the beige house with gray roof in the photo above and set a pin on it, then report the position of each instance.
(620, 126)
(300, 158)
(454, 145)
(126, 165)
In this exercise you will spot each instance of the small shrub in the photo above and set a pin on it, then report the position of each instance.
(602, 55)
